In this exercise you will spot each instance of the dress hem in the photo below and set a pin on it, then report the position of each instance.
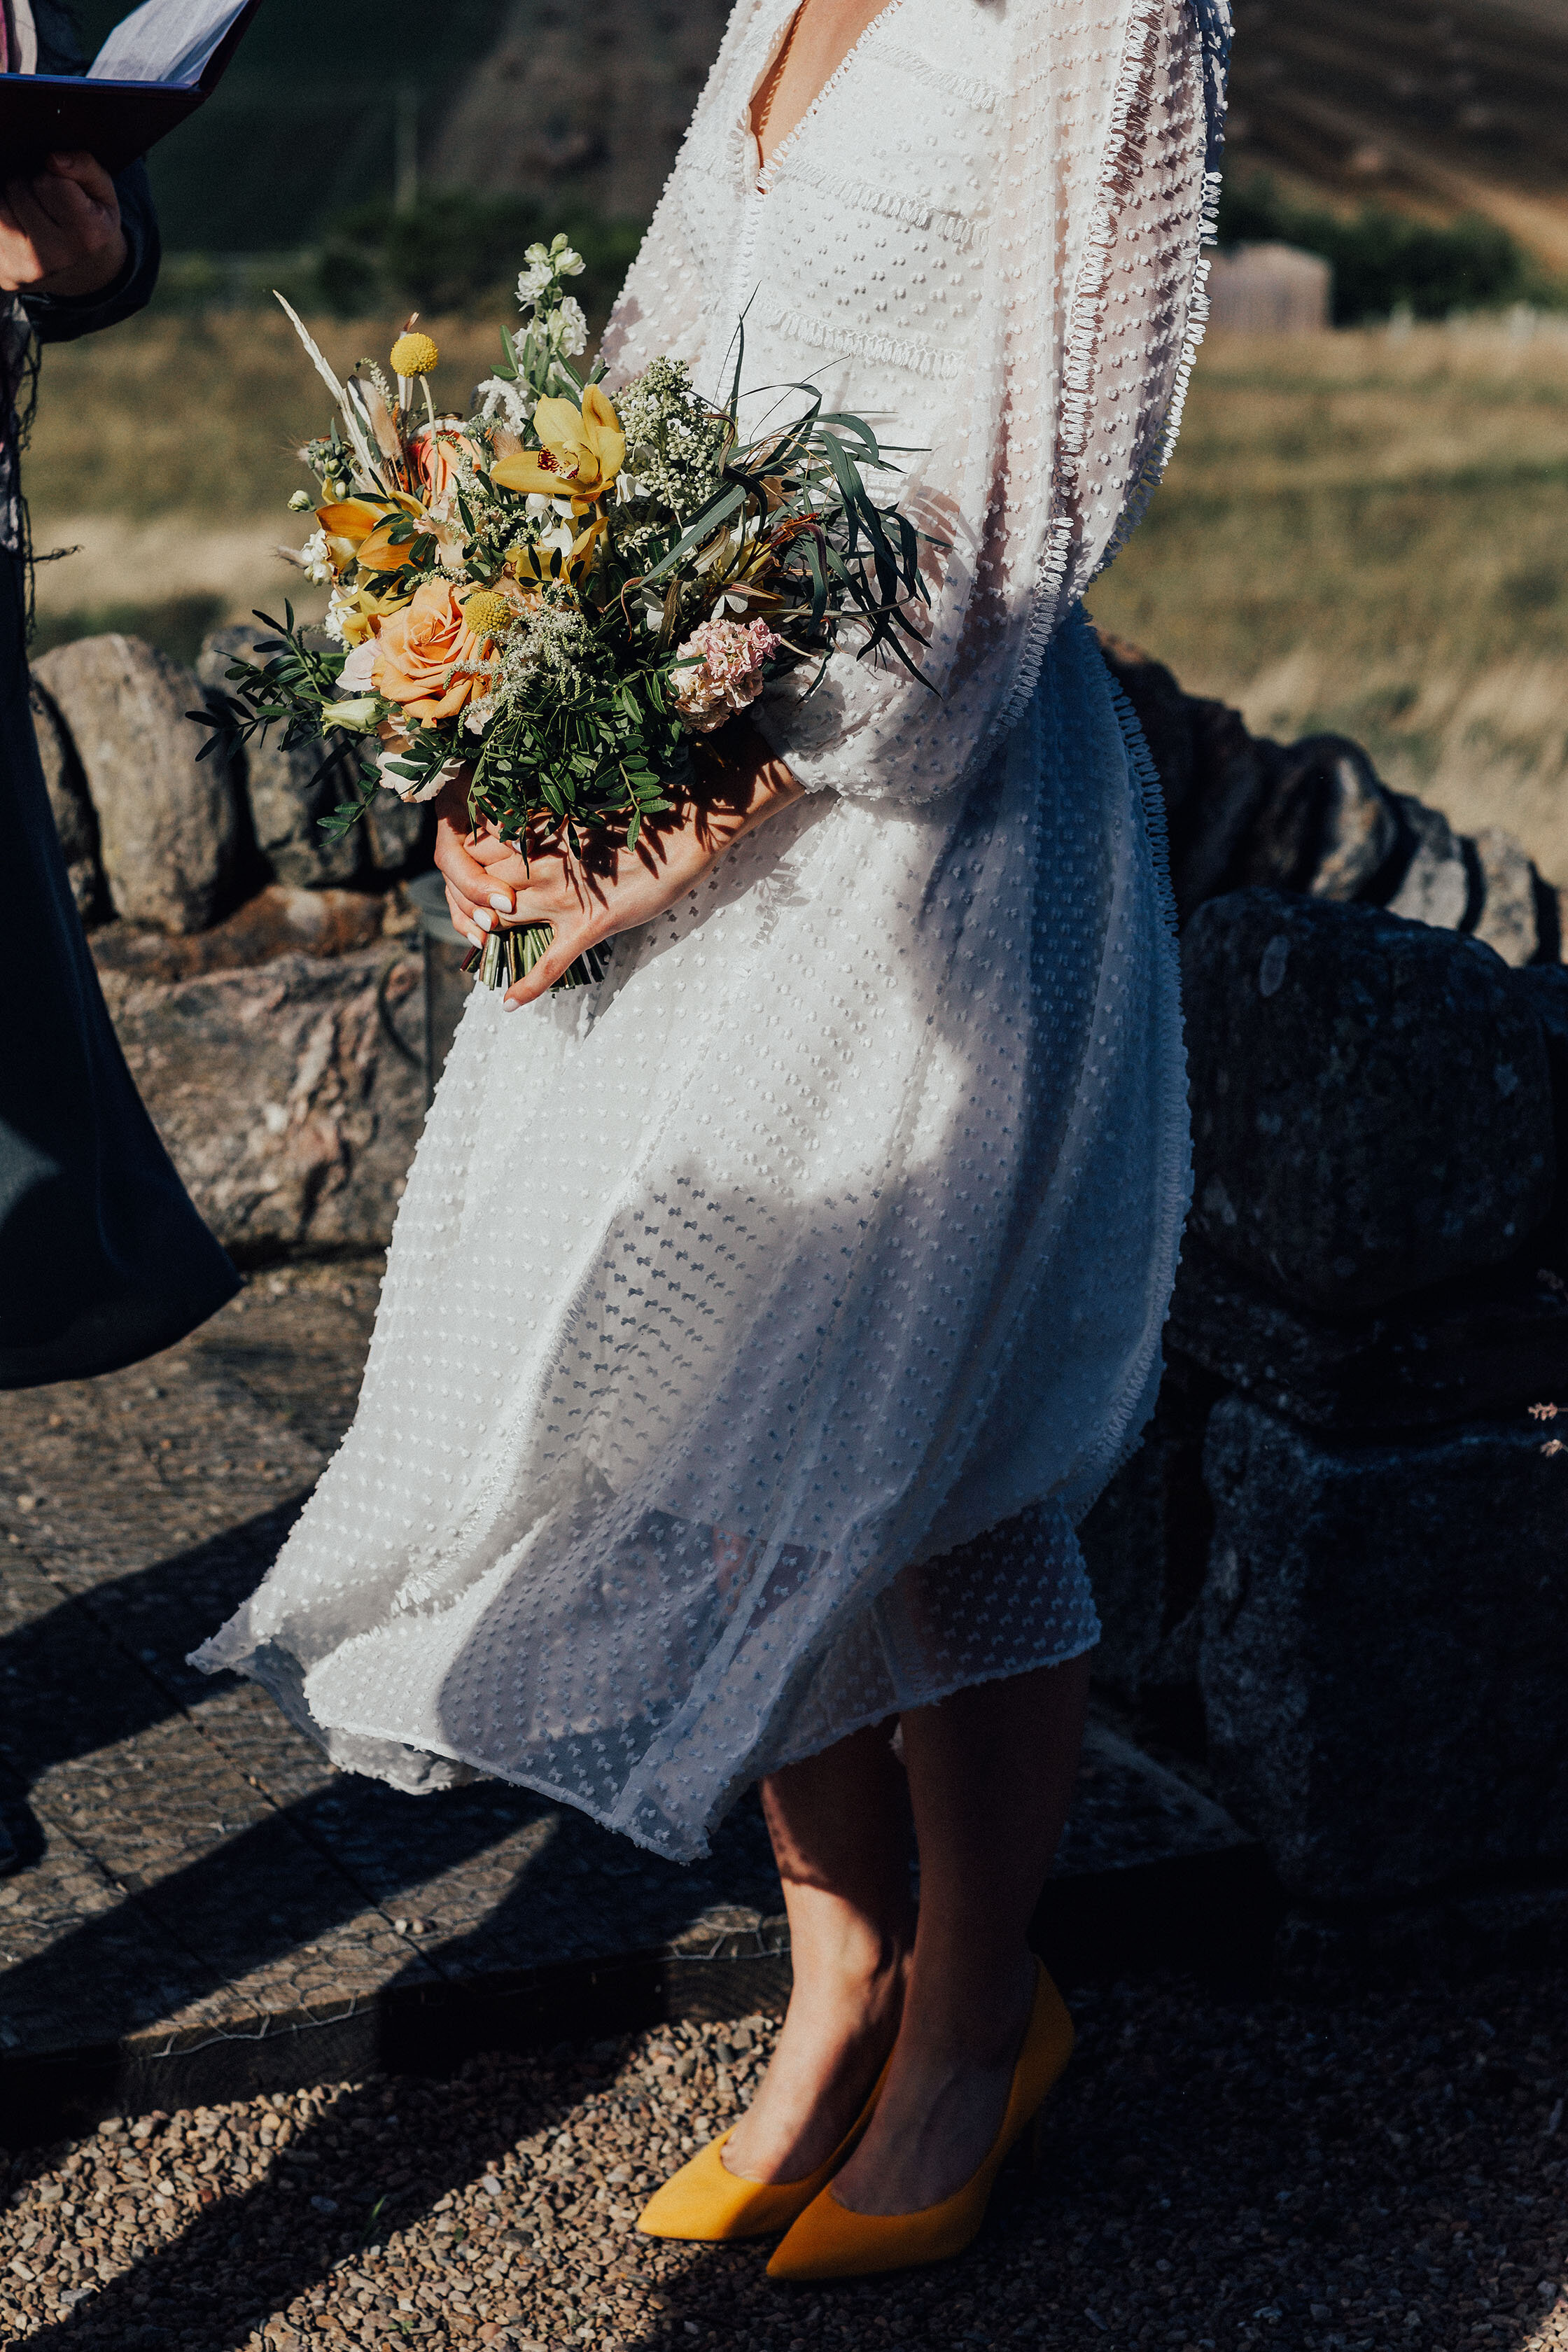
(323, 1734)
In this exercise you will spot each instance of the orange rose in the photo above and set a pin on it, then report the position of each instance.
(416, 648)
(431, 450)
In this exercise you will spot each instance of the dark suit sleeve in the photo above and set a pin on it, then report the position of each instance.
(59, 319)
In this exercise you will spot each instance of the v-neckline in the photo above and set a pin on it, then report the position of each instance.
(765, 168)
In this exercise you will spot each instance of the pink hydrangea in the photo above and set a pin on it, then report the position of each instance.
(726, 672)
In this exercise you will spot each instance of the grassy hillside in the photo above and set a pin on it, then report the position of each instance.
(303, 124)
(1437, 113)
(1431, 112)
(1369, 532)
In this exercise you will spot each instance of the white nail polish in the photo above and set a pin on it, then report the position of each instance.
(510, 1004)
(484, 919)
(502, 906)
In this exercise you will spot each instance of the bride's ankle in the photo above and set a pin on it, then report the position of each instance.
(868, 1976)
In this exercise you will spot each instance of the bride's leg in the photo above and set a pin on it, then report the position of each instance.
(991, 1774)
(840, 1829)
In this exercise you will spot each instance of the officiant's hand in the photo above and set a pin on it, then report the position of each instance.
(60, 231)
(740, 783)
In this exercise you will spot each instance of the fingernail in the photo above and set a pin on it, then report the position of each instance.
(512, 1004)
(485, 920)
(502, 905)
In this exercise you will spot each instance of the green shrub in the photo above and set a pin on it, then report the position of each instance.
(458, 251)
(1382, 260)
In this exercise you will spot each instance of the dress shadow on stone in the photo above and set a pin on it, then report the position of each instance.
(760, 1325)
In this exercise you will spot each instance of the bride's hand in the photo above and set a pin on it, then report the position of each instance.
(741, 782)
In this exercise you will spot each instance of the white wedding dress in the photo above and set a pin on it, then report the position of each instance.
(758, 1324)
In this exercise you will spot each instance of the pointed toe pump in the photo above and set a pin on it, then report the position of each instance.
(704, 2201)
(830, 2240)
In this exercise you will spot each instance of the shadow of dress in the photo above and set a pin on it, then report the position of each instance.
(103, 1260)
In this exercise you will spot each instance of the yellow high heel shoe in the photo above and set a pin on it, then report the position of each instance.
(830, 2240)
(704, 2201)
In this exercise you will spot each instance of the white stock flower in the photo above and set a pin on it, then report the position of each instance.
(569, 264)
(569, 327)
(501, 398)
(533, 282)
(316, 564)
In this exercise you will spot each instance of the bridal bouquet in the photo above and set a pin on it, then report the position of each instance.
(550, 597)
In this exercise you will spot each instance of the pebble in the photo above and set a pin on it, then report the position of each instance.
(1218, 2172)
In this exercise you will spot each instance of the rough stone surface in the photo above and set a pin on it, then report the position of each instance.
(170, 828)
(1437, 887)
(1509, 921)
(73, 812)
(279, 921)
(1313, 817)
(400, 834)
(1483, 1345)
(1372, 1107)
(1544, 988)
(288, 1109)
(1384, 1653)
(1147, 1542)
(289, 792)
(1326, 826)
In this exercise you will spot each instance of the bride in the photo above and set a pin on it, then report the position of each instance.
(759, 1324)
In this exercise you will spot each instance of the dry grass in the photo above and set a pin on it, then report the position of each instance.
(1360, 532)
(165, 454)
(1370, 533)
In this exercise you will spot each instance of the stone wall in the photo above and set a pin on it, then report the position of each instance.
(263, 979)
(1335, 1570)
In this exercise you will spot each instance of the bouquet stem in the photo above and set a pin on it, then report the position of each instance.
(509, 956)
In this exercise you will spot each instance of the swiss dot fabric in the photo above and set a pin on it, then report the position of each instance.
(759, 1325)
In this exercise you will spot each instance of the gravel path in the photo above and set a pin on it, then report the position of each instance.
(1219, 2171)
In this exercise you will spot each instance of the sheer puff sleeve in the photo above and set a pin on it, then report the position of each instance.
(1095, 302)
(1060, 403)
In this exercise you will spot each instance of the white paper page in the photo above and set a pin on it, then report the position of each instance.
(166, 40)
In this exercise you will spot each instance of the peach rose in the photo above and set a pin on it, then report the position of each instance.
(416, 648)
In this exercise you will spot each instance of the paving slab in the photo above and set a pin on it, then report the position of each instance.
(200, 1906)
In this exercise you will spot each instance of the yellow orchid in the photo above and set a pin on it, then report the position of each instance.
(581, 452)
(356, 532)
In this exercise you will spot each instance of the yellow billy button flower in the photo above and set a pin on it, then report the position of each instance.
(486, 613)
(581, 452)
(414, 355)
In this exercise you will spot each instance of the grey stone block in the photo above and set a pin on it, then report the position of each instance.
(287, 1109)
(1326, 827)
(1372, 1104)
(1146, 1543)
(1486, 1343)
(289, 791)
(1509, 920)
(168, 825)
(1436, 885)
(1384, 1653)
(70, 805)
